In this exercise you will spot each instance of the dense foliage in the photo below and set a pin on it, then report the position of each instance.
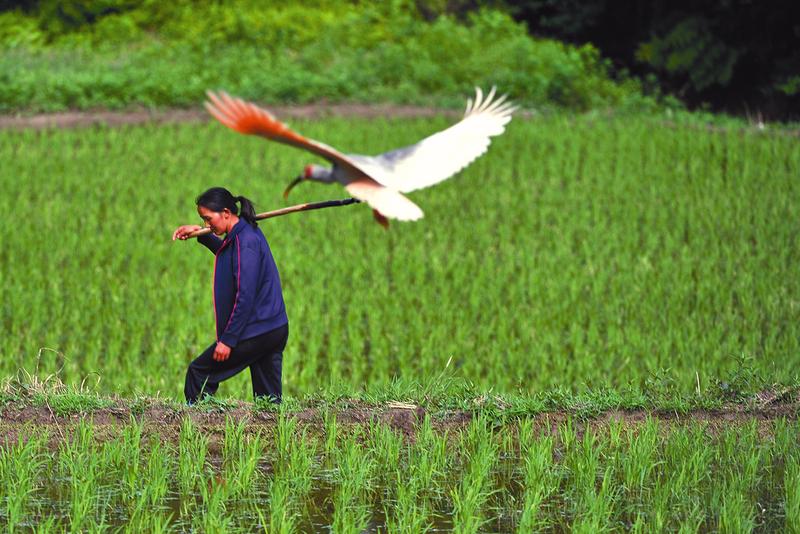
(116, 53)
(737, 55)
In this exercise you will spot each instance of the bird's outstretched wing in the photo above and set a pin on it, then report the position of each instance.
(247, 118)
(443, 154)
(387, 202)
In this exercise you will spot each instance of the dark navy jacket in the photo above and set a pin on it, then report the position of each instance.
(247, 289)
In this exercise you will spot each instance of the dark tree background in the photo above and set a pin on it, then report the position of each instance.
(739, 56)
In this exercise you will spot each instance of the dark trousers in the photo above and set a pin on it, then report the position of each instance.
(262, 354)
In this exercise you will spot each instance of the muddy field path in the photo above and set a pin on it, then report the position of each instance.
(164, 420)
(319, 110)
(78, 119)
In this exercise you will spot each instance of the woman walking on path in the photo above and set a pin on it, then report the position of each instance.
(251, 322)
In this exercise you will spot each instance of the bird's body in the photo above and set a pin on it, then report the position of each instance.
(381, 180)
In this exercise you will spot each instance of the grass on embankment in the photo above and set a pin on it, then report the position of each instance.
(742, 391)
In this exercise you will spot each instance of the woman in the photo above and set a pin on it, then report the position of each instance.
(252, 327)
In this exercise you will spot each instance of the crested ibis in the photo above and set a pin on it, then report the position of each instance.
(380, 180)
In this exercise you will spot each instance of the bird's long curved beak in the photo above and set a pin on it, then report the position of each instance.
(291, 185)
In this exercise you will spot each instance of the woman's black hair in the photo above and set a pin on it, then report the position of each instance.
(219, 198)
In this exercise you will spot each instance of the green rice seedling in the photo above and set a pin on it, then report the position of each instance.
(475, 487)
(299, 468)
(385, 445)
(640, 461)
(409, 513)
(285, 436)
(657, 513)
(526, 435)
(233, 441)
(539, 480)
(738, 460)
(20, 472)
(735, 514)
(293, 465)
(616, 435)
(417, 477)
(294, 458)
(596, 508)
(354, 469)
(682, 479)
(791, 486)
(244, 474)
(159, 465)
(211, 514)
(784, 446)
(45, 526)
(80, 462)
(428, 459)
(593, 505)
(504, 472)
(154, 484)
(240, 458)
(125, 458)
(416, 481)
(785, 437)
(282, 512)
(192, 463)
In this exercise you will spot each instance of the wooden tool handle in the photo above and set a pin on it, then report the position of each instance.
(290, 209)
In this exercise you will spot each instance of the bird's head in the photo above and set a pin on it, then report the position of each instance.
(310, 172)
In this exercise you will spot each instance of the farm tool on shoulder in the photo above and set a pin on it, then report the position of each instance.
(289, 209)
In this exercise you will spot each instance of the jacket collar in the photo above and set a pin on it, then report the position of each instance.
(237, 228)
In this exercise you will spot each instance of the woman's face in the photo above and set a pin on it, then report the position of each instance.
(218, 221)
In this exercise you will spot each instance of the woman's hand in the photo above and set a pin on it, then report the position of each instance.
(183, 232)
(222, 352)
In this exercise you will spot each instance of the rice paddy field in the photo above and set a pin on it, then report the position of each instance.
(577, 251)
(625, 257)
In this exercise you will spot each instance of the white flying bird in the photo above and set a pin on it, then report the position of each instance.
(381, 180)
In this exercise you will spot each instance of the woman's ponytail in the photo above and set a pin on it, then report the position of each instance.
(248, 212)
(219, 198)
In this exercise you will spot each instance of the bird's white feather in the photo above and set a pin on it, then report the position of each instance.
(443, 154)
(388, 202)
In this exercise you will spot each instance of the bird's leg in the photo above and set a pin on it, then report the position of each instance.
(383, 221)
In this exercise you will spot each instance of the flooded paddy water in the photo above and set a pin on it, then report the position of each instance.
(337, 475)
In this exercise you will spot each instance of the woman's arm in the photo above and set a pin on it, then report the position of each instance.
(211, 241)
